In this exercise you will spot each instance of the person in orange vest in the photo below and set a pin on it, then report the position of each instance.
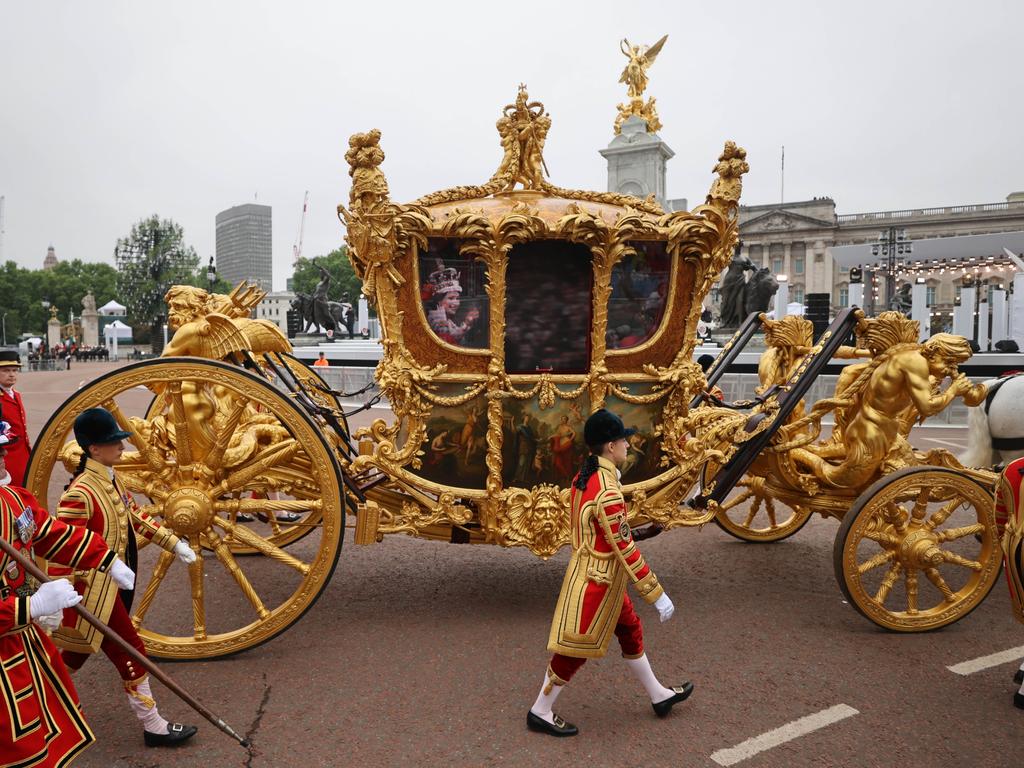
(12, 410)
(593, 604)
(1010, 523)
(321, 362)
(40, 716)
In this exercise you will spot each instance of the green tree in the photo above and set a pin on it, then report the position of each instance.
(343, 277)
(23, 291)
(151, 259)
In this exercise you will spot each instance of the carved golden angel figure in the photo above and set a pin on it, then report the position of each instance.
(640, 59)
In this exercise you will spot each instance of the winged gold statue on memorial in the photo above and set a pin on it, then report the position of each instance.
(641, 57)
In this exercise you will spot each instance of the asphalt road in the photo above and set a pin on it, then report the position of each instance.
(429, 654)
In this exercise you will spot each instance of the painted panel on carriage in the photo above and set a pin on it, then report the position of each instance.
(548, 308)
(636, 305)
(543, 446)
(452, 288)
(644, 457)
(455, 448)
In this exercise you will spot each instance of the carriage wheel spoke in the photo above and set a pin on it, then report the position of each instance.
(896, 515)
(958, 533)
(216, 454)
(737, 500)
(955, 559)
(223, 554)
(883, 538)
(887, 583)
(911, 579)
(195, 578)
(769, 507)
(920, 508)
(159, 571)
(943, 514)
(940, 583)
(879, 559)
(754, 509)
(269, 457)
(243, 535)
(182, 445)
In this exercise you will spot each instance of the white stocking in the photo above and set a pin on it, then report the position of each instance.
(140, 699)
(546, 698)
(642, 669)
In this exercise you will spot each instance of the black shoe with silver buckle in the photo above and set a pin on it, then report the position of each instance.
(680, 693)
(1018, 700)
(558, 728)
(1019, 677)
(176, 734)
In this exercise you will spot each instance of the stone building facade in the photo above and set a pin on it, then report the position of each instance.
(244, 237)
(274, 307)
(793, 239)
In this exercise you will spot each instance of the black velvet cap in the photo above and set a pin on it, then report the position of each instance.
(603, 426)
(97, 426)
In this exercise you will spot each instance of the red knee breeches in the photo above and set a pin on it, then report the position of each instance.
(126, 666)
(628, 630)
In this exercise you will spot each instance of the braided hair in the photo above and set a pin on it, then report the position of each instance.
(79, 469)
(588, 468)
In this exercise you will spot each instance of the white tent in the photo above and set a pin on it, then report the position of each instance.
(117, 329)
(35, 341)
(793, 308)
(112, 308)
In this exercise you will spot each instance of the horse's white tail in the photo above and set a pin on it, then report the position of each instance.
(979, 451)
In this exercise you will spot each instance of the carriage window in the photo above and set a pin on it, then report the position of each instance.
(548, 308)
(452, 290)
(639, 291)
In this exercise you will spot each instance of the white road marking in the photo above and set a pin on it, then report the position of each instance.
(951, 443)
(787, 732)
(984, 662)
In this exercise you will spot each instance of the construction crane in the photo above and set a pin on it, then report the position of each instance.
(297, 248)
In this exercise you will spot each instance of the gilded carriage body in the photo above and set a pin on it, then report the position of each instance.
(510, 311)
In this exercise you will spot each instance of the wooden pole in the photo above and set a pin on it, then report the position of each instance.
(127, 647)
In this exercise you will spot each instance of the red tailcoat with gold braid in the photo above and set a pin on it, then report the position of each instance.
(1010, 521)
(604, 559)
(41, 723)
(94, 501)
(12, 410)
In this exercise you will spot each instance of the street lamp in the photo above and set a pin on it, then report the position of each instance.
(4, 320)
(211, 274)
(893, 245)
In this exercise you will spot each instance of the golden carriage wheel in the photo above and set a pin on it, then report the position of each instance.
(248, 448)
(281, 532)
(752, 513)
(918, 550)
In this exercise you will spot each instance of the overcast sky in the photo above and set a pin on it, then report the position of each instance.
(111, 111)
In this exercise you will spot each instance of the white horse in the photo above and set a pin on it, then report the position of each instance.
(995, 428)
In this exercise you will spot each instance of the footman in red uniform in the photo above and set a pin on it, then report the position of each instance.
(593, 604)
(1010, 520)
(96, 500)
(12, 410)
(41, 721)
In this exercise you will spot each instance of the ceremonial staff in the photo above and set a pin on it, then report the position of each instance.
(110, 634)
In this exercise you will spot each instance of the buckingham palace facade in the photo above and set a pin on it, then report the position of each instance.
(793, 239)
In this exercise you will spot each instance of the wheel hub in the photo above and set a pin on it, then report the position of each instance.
(919, 550)
(188, 510)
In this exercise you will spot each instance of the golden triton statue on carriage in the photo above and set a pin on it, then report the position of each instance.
(510, 311)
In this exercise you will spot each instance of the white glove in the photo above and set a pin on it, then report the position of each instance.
(184, 552)
(52, 597)
(664, 607)
(51, 621)
(122, 575)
